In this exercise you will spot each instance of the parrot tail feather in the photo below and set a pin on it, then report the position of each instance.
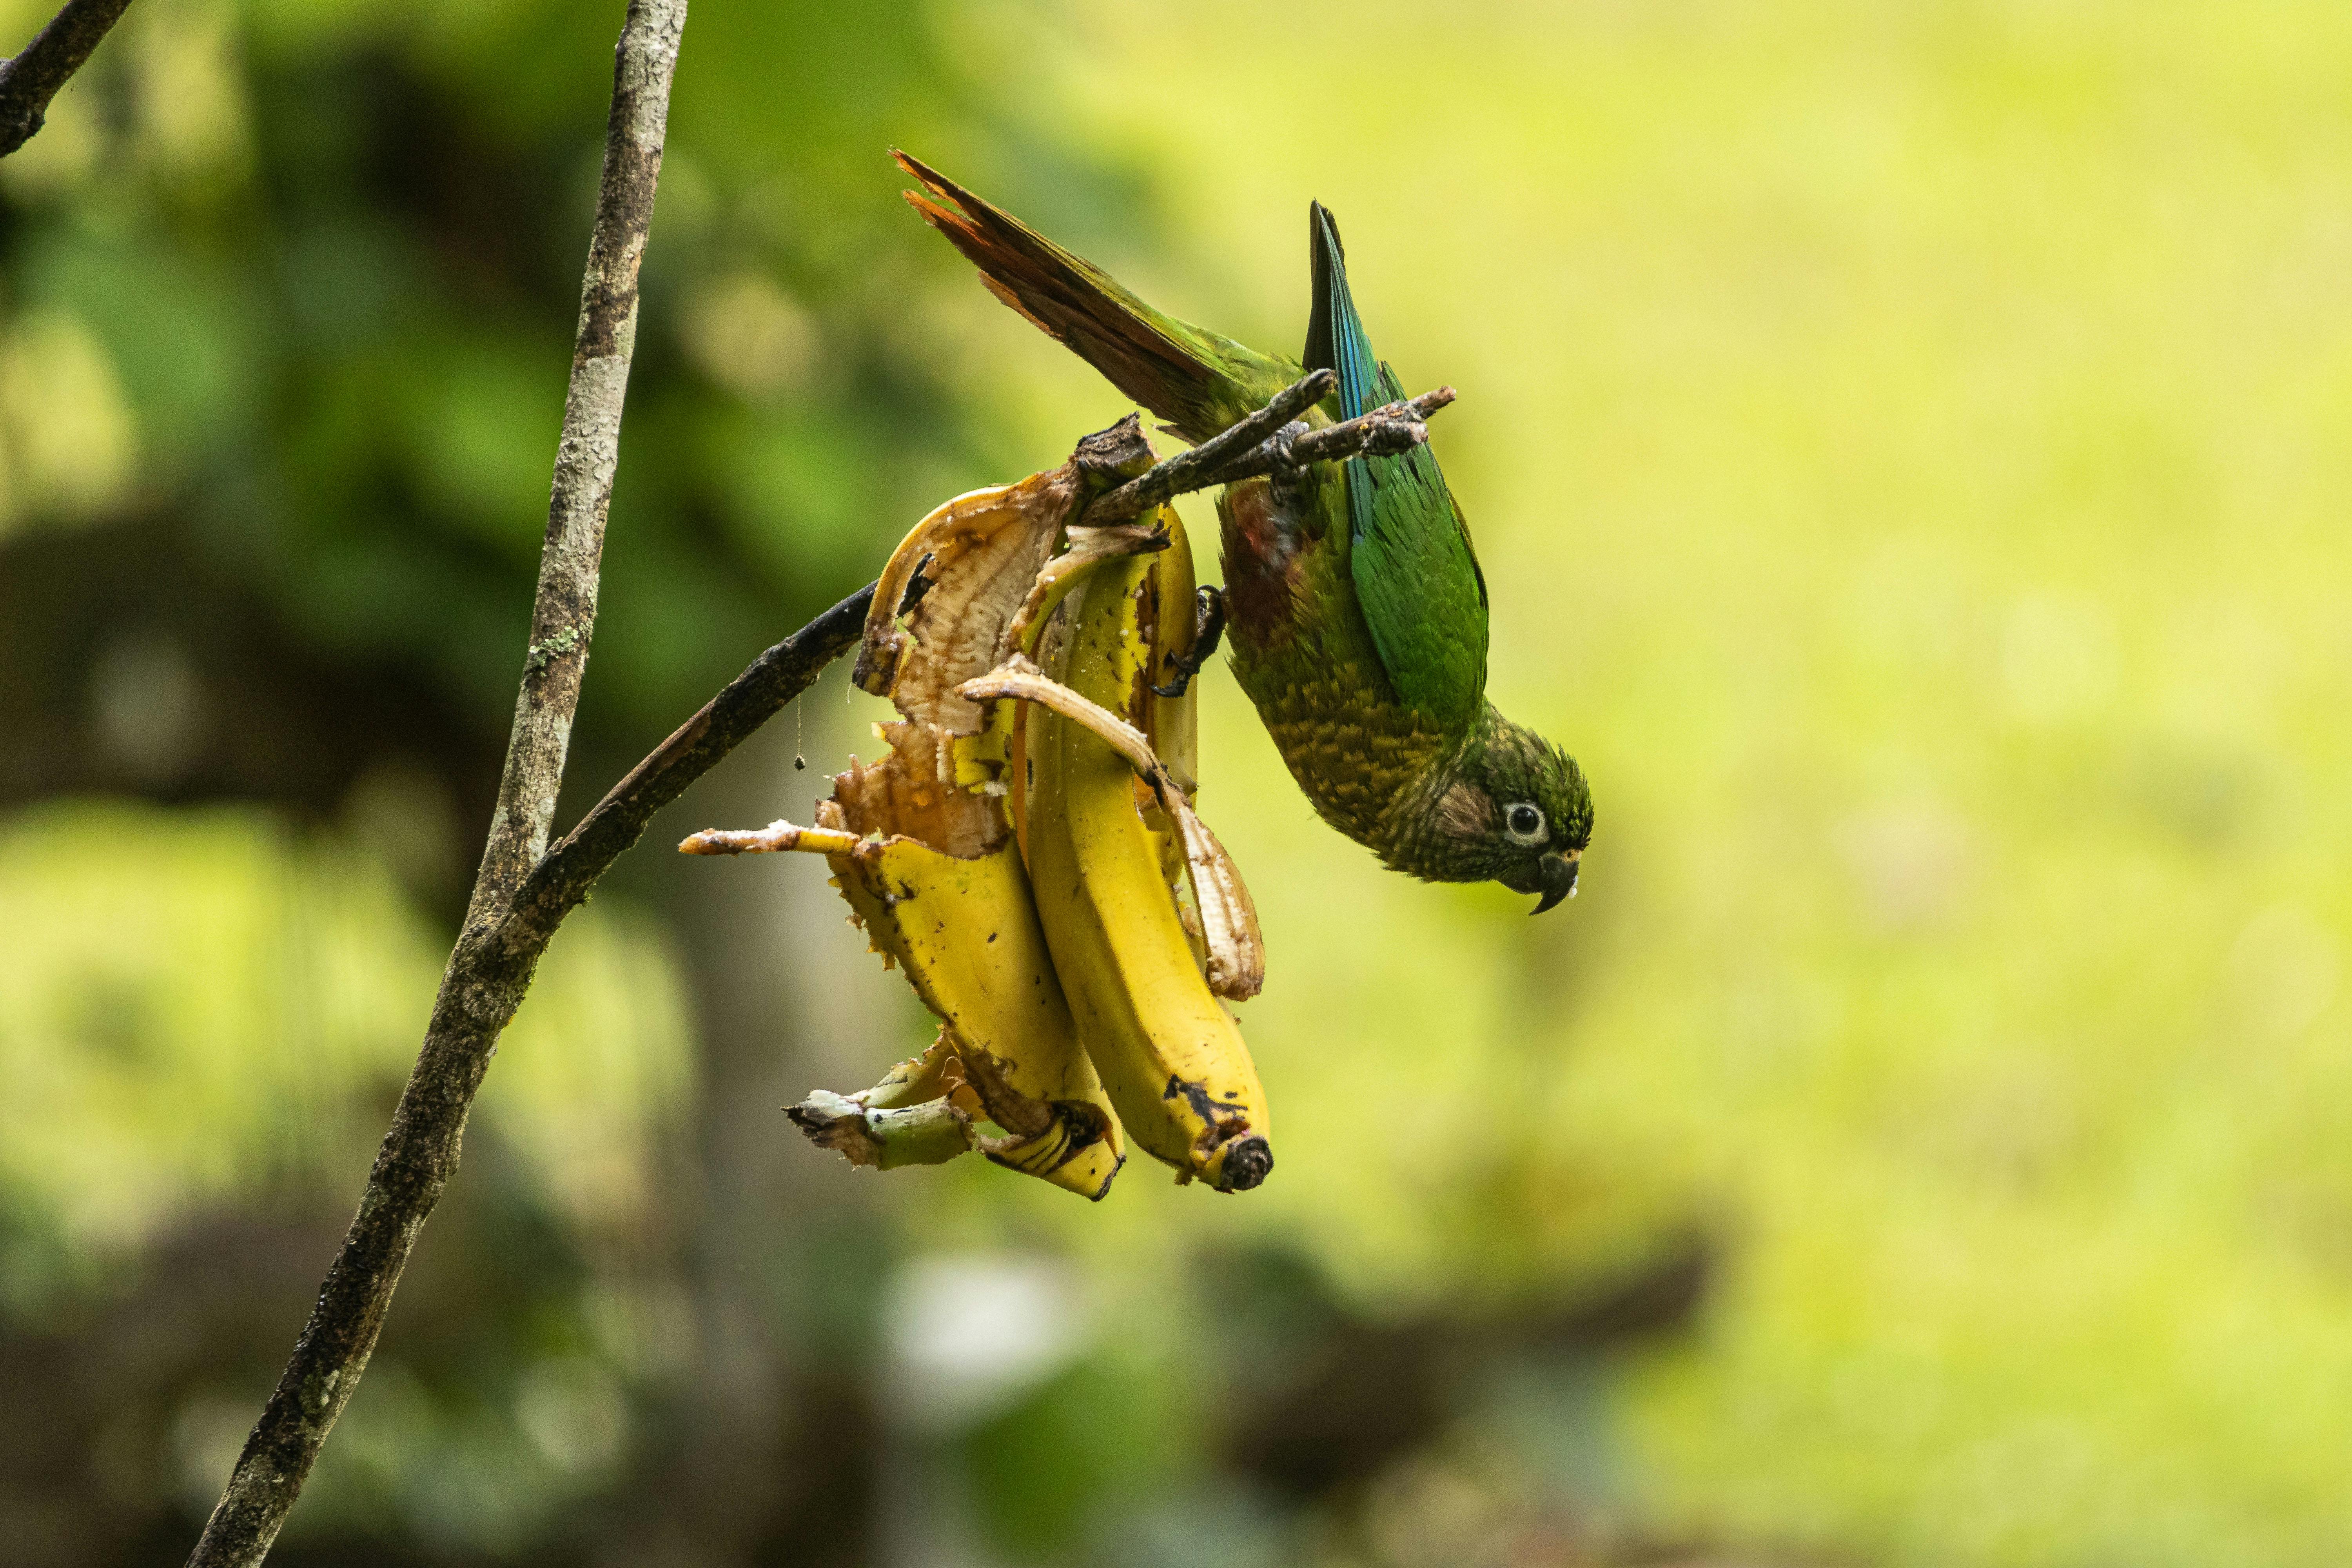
(1335, 333)
(1198, 382)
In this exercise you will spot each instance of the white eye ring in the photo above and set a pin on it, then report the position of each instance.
(1523, 823)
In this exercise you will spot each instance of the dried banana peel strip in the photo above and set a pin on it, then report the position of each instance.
(1228, 917)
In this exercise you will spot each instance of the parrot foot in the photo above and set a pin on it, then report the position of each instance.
(1208, 631)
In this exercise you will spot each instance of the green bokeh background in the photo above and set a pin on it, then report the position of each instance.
(1906, 446)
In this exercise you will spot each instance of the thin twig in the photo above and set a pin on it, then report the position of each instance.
(1181, 472)
(561, 880)
(1391, 428)
(1271, 438)
(30, 80)
(488, 971)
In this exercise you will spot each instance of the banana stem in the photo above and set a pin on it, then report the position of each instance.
(774, 838)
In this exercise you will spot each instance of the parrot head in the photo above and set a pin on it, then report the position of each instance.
(1511, 807)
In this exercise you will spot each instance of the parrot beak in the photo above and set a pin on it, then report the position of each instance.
(1558, 880)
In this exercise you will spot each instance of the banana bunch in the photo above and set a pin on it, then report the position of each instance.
(1029, 856)
(922, 847)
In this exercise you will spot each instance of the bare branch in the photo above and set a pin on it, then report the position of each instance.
(1182, 472)
(564, 611)
(488, 973)
(1391, 428)
(561, 880)
(30, 80)
(1273, 439)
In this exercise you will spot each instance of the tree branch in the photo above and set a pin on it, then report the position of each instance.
(488, 973)
(1391, 428)
(30, 80)
(1183, 471)
(1271, 438)
(561, 880)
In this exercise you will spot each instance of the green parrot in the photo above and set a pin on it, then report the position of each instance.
(1354, 603)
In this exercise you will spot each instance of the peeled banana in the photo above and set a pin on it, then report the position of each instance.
(1110, 831)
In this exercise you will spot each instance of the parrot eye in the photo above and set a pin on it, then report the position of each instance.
(1525, 822)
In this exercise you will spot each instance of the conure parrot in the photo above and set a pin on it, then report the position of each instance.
(1353, 602)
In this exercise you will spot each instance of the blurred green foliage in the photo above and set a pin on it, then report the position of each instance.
(227, 1006)
(1905, 444)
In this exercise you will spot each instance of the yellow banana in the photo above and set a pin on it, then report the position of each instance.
(921, 846)
(1108, 827)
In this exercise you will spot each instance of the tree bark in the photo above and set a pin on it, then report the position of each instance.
(491, 968)
(30, 80)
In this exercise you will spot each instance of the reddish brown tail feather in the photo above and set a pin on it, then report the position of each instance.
(1076, 302)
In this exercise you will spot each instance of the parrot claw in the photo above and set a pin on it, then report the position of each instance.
(1282, 441)
(1208, 631)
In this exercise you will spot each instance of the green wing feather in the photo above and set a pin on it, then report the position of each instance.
(1409, 549)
